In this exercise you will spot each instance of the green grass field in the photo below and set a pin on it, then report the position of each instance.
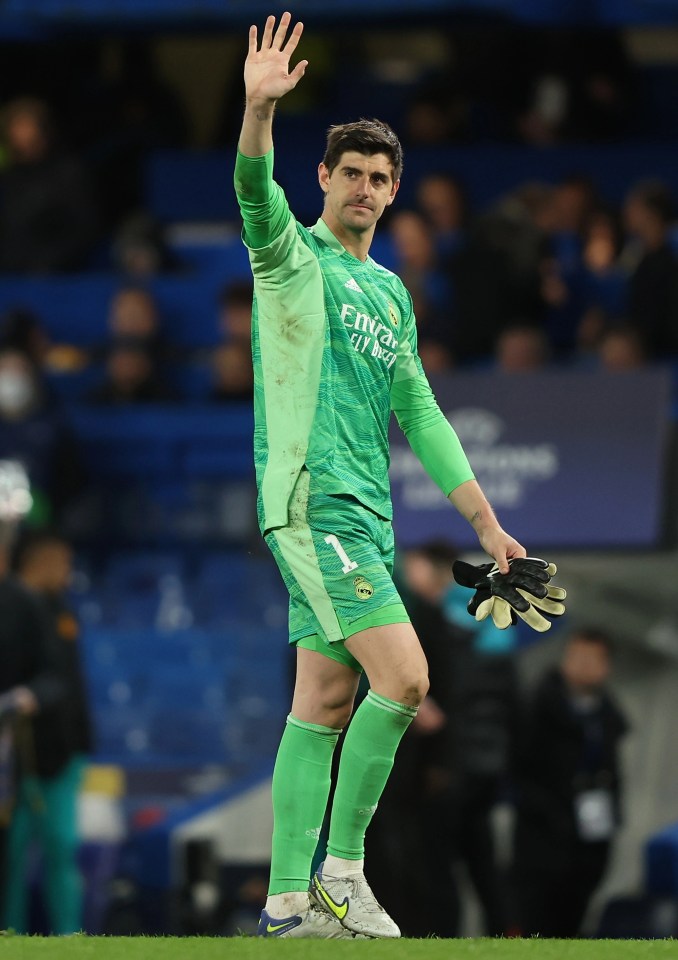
(248, 948)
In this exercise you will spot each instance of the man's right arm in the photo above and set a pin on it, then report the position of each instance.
(267, 79)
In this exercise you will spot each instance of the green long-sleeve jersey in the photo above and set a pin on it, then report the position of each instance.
(334, 347)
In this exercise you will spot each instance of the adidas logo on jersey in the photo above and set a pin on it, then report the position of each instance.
(352, 285)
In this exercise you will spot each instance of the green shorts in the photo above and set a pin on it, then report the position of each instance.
(336, 558)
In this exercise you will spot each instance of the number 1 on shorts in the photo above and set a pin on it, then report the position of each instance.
(348, 565)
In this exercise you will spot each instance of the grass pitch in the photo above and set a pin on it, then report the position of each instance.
(249, 948)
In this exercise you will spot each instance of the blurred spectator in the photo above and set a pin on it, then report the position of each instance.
(568, 789)
(437, 113)
(521, 349)
(574, 198)
(481, 714)
(23, 331)
(441, 199)
(131, 376)
(564, 97)
(54, 749)
(130, 112)
(435, 355)
(42, 471)
(436, 812)
(30, 682)
(416, 830)
(653, 287)
(418, 262)
(603, 278)
(235, 311)
(621, 348)
(140, 249)
(232, 374)
(420, 268)
(48, 220)
(133, 315)
(509, 244)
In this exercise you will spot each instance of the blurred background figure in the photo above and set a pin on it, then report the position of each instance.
(568, 789)
(521, 349)
(31, 685)
(622, 348)
(52, 748)
(436, 818)
(420, 265)
(232, 375)
(134, 353)
(131, 376)
(441, 199)
(24, 331)
(21, 330)
(48, 217)
(133, 314)
(235, 312)
(139, 248)
(649, 210)
(36, 444)
(508, 243)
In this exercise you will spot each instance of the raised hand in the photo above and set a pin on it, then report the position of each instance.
(267, 73)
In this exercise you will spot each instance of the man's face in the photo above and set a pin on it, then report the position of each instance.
(585, 665)
(53, 565)
(358, 190)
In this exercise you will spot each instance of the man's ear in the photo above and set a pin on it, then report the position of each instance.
(394, 190)
(323, 177)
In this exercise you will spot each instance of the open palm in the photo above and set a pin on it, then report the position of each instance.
(267, 73)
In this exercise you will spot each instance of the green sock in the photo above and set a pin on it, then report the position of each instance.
(366, 761)
(301, 785)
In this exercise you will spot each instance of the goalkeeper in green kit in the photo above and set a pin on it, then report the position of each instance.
(334, 348)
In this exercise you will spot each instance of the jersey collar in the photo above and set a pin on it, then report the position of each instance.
(321, 230)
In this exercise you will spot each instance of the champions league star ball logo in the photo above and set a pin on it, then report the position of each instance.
(507, 469)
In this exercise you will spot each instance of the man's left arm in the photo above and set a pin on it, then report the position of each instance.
(440, 452)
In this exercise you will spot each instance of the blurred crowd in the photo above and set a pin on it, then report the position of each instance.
(547, 274)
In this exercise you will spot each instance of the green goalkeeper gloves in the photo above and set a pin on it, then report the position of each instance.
(522, 592)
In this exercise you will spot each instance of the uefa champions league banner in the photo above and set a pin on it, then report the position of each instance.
(567, 459)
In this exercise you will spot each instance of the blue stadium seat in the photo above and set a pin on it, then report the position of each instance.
(122, 732)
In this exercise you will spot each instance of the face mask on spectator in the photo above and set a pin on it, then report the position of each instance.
(17, 393)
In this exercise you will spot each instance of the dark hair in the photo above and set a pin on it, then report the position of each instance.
(238, 293)
(367, 137)
(439, 552)
(19, 328)
(656, 197)
(591, 634)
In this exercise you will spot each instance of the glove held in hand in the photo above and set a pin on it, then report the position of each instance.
(521, 592)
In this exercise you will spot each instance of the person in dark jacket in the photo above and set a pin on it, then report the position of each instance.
(51, 750)
(48, 218)
(568, 789)
(436, 812)
(30, 679)
(649, 211)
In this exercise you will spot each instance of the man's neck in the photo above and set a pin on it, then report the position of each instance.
(357, 244)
